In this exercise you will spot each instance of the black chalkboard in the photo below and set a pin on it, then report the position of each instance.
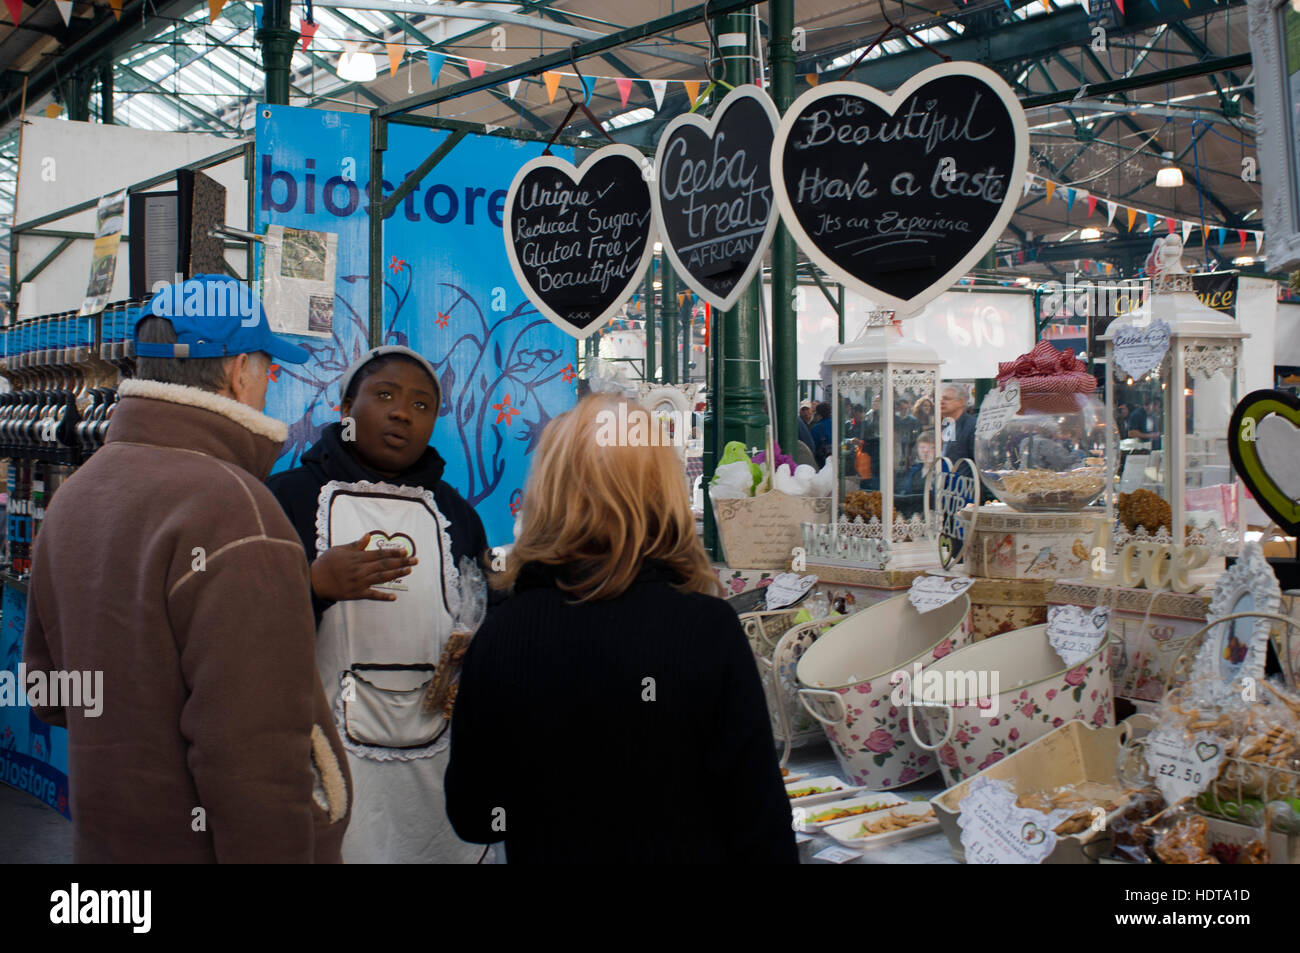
(899, 195)
(713, 194)
(579, 240)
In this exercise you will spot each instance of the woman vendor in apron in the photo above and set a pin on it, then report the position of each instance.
(384, 535)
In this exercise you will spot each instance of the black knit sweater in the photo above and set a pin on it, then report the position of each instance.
(630, 730)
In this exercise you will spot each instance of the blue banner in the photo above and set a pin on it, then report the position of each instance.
(449, 293)
(33, 755)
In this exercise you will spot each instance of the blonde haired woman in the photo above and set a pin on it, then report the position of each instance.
(613, 676)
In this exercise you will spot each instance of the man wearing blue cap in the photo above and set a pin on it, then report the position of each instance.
(166, 564)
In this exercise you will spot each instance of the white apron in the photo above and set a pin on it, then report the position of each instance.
(375, 660)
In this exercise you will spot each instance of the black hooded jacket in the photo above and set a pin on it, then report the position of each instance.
(298, 491)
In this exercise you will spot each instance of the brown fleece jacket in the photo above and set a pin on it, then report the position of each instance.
(167, 565)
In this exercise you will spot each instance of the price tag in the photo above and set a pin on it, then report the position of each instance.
(994, 830)
(1000, 405)
(1075, 632)
(837, 855)
(787, 589)
(932, 592)
(1183, 767)
(1139, 350)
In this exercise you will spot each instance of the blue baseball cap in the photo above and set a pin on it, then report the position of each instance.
(214, 316)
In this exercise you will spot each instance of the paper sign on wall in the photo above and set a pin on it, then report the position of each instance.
(110, 217)
(298, 280)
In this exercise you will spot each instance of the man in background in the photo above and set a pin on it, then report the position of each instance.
(167, 565)
(958, 425)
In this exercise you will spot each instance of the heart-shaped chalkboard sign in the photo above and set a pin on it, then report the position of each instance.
(899, 195)
(713, 194)
(579, 240)
(1264, 444)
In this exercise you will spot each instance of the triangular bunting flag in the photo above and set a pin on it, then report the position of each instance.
(394, 51)
(692, 90)
(589, 88)
(658, 87)
(15, 8)
(1151, 221)
(624, 88)
(117, 9)
(1051, 187)
(1187, 231)
(53, 111)
(1109, 266)
(1132, 216)
(1120, 5)
(812, 78)
(1222, 234)
(1047, 5)
(1092, 205)
(1259, 242)
(308, 30)
(1110, 212)
(1029, 182)
(435, 65)
(214, 9)
(552, 81)
(475, 68)
(65, 10)
(1069, 198)
(512, 87)
(1169, 225)
(1241, 234)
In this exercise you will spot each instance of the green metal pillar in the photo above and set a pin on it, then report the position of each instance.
(785, 374)
(746, 415)
(76, 96)
(106, 92)
(378, 145)
(668, 278)
(651, 358)
(277, 38)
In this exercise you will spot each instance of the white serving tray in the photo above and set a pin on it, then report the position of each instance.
(846, 832)
(866, 797)
(840, 790)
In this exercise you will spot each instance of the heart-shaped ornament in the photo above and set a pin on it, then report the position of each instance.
(1140, 349)
(1264, 444)
(899, 194)
(579, 240)
(713, 202)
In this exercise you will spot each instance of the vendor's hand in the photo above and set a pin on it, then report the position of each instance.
(349, 571)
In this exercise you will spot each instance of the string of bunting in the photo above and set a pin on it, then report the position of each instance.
(1130, 215)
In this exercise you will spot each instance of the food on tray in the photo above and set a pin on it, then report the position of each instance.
(1132, 834)
(805, 791)
(1047, 487)
(836, 813)
(895, 820)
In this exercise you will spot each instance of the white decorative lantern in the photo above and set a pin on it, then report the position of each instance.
(881, 457)
(1179, 447)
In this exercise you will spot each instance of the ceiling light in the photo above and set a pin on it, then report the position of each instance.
(1243, 260)
(659, 246)
(1090, 234)
(1023, 280)
(1170, 176)
(357, 67)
